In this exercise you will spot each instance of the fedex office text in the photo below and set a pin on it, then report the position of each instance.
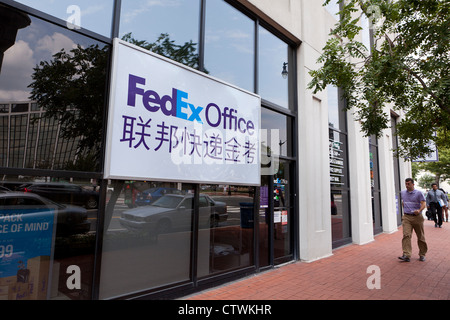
(177, 105)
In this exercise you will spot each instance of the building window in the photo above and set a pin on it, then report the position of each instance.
(339, 179)
(375, 185)
(168, 28)
(148, 232)
(154, 234)
(58, 220)
(272, 55)
(226, 241)
(52, 89)
(53, 115)
(230, 45)
(93, 15)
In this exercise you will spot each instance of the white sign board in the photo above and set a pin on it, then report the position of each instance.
(168, 122)
(431, 157)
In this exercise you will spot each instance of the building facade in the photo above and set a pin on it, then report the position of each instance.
(71, 232)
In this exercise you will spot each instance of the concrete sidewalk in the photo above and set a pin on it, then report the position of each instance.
(345, 275)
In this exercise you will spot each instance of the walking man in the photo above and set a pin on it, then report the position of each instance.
(413, 203)
(435, 201)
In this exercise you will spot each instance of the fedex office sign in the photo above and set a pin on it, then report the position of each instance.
(171, 123)
(177, 105)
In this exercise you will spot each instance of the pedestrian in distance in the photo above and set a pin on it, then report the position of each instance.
(445, 213)
(436, 200)
(413, 202)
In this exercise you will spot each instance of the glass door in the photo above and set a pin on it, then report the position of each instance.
(282, 212)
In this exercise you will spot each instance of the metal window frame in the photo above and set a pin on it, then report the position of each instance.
(194, 284)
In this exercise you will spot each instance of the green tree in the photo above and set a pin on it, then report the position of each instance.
(407, 67)
(425, 181)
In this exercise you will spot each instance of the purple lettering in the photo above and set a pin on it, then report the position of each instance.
(212, 105)
(177, 105)
(250, 126)
(151, 97)
(133, 90)
(239, 125)
(173, 101)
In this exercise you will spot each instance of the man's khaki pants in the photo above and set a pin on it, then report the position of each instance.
(410, 223)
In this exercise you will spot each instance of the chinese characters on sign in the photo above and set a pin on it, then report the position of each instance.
(169, 138)
(170, 122)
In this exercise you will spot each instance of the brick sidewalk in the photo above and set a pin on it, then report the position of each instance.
(343, 276)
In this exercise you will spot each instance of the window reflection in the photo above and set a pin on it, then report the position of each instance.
(334, 111)
(147, 241)
(229, 47)
(95, 15)
(52, 99)
(168, 28)
(339, 215)
(273, 53)
(227, 243)
(280, 128)
(339, 180)
(282, 210)
(48, 224)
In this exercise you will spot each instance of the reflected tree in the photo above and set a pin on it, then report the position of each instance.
(71, 89)
(185, 53)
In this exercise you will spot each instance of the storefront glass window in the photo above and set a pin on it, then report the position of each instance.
(375, 184)
(273, 54)
(168, 28)
(229, 46)
(147, 240)
(334, 119)
(46, 226)
(94, 15)
(279, 131)
(226, 243)
(339, 179)
(52, 100)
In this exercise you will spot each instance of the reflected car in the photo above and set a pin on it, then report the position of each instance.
(171, 213)
(149, 196)
(65, 193)
(70, 219)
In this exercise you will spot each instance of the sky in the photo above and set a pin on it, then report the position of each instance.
(95, 15)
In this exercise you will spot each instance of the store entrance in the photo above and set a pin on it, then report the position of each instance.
(276, 217)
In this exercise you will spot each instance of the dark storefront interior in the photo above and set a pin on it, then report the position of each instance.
(52, 134)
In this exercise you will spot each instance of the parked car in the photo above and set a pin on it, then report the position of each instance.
(66, 193)
(149, 196)
(70, 219)
(173, 212)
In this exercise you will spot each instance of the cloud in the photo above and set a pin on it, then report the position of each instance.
(20, 60)
(18, 64)
(53, 44)
(146, 6)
